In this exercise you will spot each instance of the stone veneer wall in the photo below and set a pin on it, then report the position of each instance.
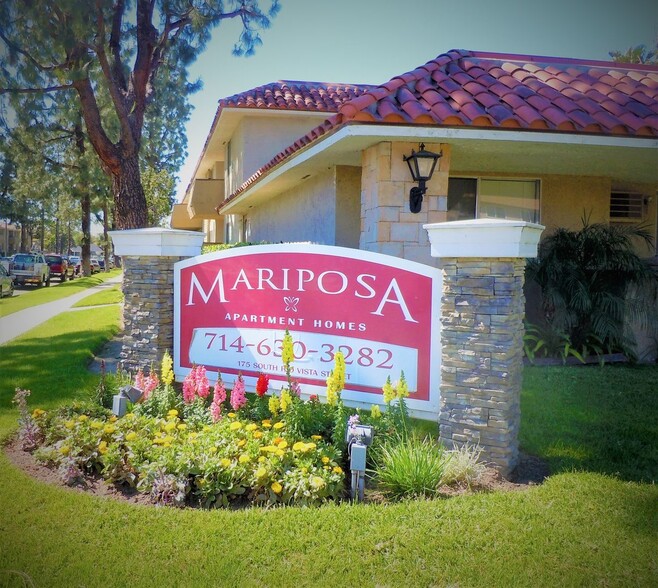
(482, 311)
(387, 225)
(148, 314)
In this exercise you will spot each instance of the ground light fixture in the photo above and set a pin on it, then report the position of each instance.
(421, 165)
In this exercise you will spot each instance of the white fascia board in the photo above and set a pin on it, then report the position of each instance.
(446, 134)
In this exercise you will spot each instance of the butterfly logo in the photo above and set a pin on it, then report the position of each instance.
(291, 303)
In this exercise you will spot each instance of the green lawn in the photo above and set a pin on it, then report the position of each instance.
(36, 296)
(582, 527)
(110, 296)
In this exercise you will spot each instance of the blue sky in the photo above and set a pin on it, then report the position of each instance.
(370, 41)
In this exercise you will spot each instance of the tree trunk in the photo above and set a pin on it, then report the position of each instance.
(106, 237)
(86, 231)
(130, 210)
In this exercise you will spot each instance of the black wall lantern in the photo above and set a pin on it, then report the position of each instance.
(421, 165)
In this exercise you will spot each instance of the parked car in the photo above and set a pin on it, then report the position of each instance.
(30, 268)
(6, 282)
(76, 262)
(95, 266)
(59, 267)
(7, 263)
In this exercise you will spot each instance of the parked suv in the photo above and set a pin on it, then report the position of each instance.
(31, 268)
(59, 267)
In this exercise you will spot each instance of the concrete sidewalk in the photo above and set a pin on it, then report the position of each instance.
(22, 321)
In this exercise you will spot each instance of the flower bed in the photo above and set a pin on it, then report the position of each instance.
(209, 447)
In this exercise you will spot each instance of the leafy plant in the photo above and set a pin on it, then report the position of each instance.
(463, 466)
(547, 342)
(592, 282)
(410, 467)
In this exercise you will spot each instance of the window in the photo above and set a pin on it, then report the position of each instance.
(493, 198)
(626, 206)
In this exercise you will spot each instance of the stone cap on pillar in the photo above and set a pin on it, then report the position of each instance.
(484, 237)
(157, 242)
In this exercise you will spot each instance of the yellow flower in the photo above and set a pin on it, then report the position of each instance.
(285, 401)
(102, 447)
(269, 449)
(389, 392)
(231, 415)
(113, 418)
(64, 449)
(109, 429)
(282, 444)
(96, 425)
(82, 418)
(316, 437)
(172, 413)
(267, 423)
(181, 427)
(280, 453)
(170, 427)
(258, 435)
(261, 472)
(37, 412)
(337, 470)
(287, 353)
(273, 404)
(131, 436)
(276, 487)
(261, 459)
(235, 426)
(278, 426)
(299, 446)
(242, 442)
(251, 427)
(212, 449)
(317, 482)
(375, 411)
(69, 424)
(244, 458)
(166, 371)
(325, 459)
(225, 462)
(402, 389)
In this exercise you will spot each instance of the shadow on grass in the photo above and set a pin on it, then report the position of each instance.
(53, 368)
(593, 419)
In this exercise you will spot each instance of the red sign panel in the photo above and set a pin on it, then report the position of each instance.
(232, 308)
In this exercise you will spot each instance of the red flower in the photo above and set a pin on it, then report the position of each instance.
(313, 398)
(262, 384)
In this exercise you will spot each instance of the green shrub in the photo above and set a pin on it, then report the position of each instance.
(462, 466)
(410, 467)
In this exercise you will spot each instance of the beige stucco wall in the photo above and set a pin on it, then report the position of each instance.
(257, 139)
(348, 206)
(305, 213)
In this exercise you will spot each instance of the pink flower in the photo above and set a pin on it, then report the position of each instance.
(189, 387)
(139, 380)
(202, 384)
(295, 388)
(219, 394)
(238, 397)
(215, 411)
(150, 383)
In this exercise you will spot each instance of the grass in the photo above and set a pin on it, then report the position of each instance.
(112, 295)
(38, 296)
(594, 419)
(579, 528)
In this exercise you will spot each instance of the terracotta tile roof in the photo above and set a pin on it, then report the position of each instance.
(291, 95)
(485, 90)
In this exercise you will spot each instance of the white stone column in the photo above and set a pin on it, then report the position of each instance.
(147, 258)
(482, 311)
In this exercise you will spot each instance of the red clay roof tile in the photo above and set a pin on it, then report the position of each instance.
(512, 91)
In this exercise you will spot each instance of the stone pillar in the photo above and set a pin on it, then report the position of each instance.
(482, 311)
(148, 257)
(387, 225)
